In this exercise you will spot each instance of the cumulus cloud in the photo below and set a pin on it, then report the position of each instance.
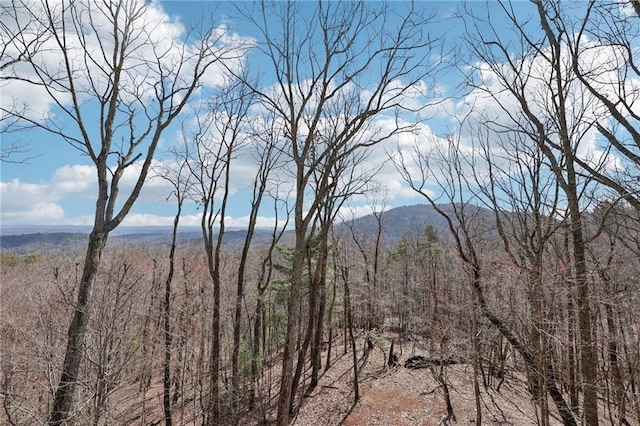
(76, 180)
(29, 203)
(160, 49)
(348, 213)
(44, 202)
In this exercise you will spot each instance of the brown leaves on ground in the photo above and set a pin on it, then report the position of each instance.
(404, 397)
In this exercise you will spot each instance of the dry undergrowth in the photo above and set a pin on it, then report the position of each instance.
(404, 397)
(388, 397)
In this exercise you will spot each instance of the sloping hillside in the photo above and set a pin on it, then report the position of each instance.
(404, 397)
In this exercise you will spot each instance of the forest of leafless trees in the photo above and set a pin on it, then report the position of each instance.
(537, 179)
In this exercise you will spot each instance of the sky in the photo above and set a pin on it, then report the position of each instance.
(53, 183)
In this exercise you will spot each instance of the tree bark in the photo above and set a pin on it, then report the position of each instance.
(77, 329)
(168, 335)
(347, 302)
(293, 321)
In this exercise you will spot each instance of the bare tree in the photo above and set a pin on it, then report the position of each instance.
(332, 60)
(348, 176)
(533, 85)
(515, 184)
(450, 170)
(176, 173)
(445, 167)
(264, 280)
(16, 152)
(603, 60)
(118, 80)
(22, 34)
(219, 133)
(371, 257)
(22, 37)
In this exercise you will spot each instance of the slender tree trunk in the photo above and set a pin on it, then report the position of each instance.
(237, 319)
(434, 296)
(212, 414)
(77, 329)
(588, 356)
(214, 366)
(631, 370)
(313, 336)
(235, 354)
(476, 349)
(302, 351)
(314, 285)
(255, 349)
(538, 340)
(293, 323)
(212, 417)
(571, 353)
(168, 337)
(347, 303)
(568, 177)
(316, 345)
(616, 376)
(612, 346)
(237, 330)
(332, 304)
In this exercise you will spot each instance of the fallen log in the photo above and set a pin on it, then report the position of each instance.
(419, 361)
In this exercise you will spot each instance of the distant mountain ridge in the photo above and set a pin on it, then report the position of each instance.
(41, 242)
(402, 221)
(411, 220)
(396, 222)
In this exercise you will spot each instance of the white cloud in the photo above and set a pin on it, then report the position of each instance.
(144, 219)
(80, 220)
(490, 110)
(29, 203)
(77, 180)
(348, 213)
(154, 34)
(42, 202)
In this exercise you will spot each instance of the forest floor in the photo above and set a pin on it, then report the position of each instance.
(406, 397)
(389, 396)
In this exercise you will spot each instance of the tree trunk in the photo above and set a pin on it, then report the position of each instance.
(291, 336)
(588, 356)
(77, 329)
(538, 339)
(255, 349)
(168, 337)
(302, 351)
(476, 347)
(213, 406)
(567, 176)
(347, 303)
(237, 319)
(571, 356)
(316, 345)
(316, 310)
(612, 346)
(327, 363)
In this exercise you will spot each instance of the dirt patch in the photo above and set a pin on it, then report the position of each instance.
(406, 397)
(392, 405)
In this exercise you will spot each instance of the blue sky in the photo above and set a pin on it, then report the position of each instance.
(55, 185)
